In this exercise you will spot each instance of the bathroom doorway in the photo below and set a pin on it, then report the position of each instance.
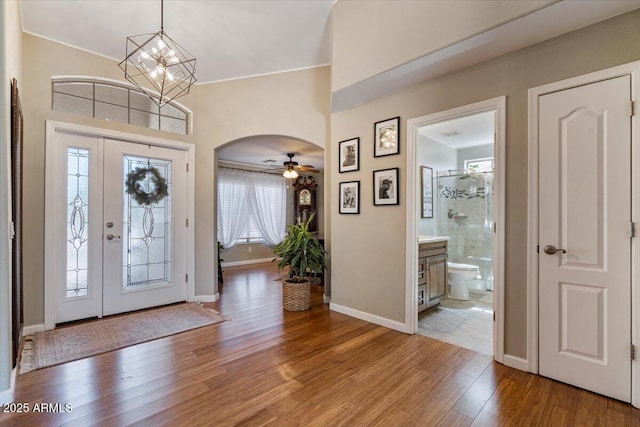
(458, 185)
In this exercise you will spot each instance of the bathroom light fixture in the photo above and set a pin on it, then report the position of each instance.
(156, 59)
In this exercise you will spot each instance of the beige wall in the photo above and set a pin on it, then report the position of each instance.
(294, 104)
(368, 250)
(240, 252)
(11, 67)
(375, 36)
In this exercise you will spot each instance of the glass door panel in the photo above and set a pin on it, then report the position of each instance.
(147, 228)
(145, 234)
(78, 208)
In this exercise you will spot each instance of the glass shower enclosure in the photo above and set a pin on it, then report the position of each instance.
(465, 214)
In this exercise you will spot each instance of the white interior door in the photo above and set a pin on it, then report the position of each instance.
(112, 254)
(145, 244)
(585, 209)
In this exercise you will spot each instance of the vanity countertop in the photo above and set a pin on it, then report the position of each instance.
(429, 239)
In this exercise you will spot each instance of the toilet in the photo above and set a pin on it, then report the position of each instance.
(459, 276)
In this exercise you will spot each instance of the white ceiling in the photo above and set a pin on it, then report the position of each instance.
(230, 39)
(463, 132)
(257, 151)
(240, 38)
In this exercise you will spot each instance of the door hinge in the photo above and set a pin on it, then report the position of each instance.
(186, 277)
(538, 249)
(187, 221)
(633, 352)
(494, 316)
(632, 108)
(187, 167)
(495, 227)
(12, 230)
(632, 229)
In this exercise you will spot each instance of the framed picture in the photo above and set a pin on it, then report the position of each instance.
(427, 192)
(349, 155)
(349, 197)
(386, 137)
(386, 187)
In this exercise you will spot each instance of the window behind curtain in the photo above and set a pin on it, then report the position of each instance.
(258, 196)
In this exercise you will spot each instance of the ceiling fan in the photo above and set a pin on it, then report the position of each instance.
(291, 168)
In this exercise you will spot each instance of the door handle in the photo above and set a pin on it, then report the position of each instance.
(550, 250)
(112, 236)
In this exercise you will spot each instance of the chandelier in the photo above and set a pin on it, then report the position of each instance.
(156, 60)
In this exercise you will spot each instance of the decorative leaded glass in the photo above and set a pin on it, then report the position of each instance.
(77, 222)
(146, 230)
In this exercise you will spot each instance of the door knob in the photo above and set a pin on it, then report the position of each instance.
(112, 236)
(550, 250)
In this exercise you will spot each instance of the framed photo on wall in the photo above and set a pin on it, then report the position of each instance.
(427, 191)
(386, 190)
(386, 137)
(349, 155)
(349, 197)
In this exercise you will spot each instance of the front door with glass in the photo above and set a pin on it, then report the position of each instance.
(125, 240)
(144, 227)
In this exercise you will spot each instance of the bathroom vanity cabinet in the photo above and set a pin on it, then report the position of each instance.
(432, 273)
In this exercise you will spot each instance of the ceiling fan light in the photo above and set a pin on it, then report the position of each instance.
(293, 174)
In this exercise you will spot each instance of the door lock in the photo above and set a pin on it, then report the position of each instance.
(110, 224)
(112, 236)
(550, 250)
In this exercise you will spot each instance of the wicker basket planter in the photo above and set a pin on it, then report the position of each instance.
(302, 255)
(296, 296)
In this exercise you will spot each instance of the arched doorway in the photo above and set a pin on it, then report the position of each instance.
(268, 155)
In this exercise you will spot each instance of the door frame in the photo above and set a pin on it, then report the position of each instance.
(633, 70)
(411, 287)
(51, 219)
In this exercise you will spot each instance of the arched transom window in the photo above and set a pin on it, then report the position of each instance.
(105, 99)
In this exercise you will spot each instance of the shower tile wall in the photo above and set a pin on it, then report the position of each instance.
(469, 199)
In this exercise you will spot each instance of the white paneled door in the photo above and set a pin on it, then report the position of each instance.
(584, 237)
(117, 252)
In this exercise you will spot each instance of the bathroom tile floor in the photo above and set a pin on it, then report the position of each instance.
(467, 324)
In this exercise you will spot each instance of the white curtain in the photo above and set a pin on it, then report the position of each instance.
(233, 205)
(245, 195)
(268, 201)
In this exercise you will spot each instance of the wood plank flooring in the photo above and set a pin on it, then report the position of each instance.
(313, 368)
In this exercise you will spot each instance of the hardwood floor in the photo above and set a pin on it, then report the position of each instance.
(315, 368)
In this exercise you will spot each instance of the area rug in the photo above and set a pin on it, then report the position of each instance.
(79, 341)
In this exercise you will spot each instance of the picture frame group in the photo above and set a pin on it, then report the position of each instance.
(386, 187)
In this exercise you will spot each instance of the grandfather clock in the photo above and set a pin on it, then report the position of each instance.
(304, 201)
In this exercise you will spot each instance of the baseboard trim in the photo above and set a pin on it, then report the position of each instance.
(208, 298)
(33, 329)
(371, 318)
(6, 396)
(247, 262)
(516, 362)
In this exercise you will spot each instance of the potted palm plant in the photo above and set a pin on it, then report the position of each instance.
(305, 257)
